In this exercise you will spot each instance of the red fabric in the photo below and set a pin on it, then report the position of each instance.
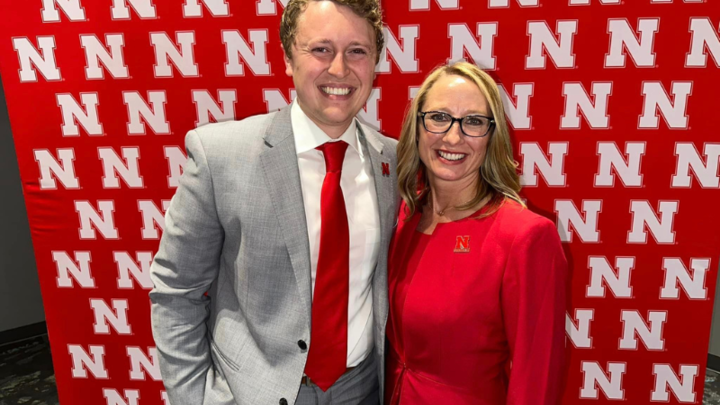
(482, 327)
(327, 359)
(548, 126)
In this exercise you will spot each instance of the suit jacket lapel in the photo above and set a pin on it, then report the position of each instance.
(280, 164)
(384, 188)
(381, 176)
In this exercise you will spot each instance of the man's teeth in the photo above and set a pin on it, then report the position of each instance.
(451, 156)
(335, 91)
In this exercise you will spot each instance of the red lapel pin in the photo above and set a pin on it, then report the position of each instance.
(386, 169)
(462, 244)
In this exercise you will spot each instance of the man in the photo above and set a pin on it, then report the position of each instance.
(285, 220)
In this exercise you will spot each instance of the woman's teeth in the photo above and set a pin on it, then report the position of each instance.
(336, 91)
(451, 156)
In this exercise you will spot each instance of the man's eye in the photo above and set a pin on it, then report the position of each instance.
(321, 50)
(358, 51)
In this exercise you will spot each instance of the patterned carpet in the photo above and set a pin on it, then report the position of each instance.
(712, 388)
(26, 375)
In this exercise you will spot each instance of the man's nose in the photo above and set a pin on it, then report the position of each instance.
(338, 66)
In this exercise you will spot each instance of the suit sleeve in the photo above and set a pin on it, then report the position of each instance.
(534, 303)
(183, 269)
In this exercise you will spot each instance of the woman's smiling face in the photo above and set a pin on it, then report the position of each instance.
(453, 156)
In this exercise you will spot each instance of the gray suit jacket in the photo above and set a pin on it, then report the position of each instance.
(236, 228)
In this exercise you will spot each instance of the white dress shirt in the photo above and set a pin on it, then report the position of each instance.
(358, 188)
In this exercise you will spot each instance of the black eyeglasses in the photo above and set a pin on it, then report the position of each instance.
(474, 126)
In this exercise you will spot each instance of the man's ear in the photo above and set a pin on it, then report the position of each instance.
(288, 63)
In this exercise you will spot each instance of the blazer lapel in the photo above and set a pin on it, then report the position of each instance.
(384, 176)
(383, 179)
(280, 165)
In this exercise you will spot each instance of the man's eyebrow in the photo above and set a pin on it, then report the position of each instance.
(327, 41)
(358, 43)
(320, 41)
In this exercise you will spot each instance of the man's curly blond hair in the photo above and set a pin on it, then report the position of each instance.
(368, 9)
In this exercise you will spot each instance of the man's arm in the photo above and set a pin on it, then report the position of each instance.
(184, 267)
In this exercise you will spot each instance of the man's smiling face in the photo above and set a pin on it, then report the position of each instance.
(332, 65)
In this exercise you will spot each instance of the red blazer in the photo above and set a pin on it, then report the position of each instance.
(485, 326)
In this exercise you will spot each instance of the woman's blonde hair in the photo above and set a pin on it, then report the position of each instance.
(498, 178)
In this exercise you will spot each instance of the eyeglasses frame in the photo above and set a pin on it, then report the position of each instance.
(422, 114)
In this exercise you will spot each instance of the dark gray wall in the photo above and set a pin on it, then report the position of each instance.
(20, 300)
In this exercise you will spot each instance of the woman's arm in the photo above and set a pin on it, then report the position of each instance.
(534, 303)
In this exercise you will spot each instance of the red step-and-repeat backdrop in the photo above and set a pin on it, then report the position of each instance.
(614, 109)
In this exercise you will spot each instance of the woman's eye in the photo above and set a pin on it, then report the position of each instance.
(475, 121)
(440, 117)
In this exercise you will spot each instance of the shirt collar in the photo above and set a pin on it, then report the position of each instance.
(309, 136)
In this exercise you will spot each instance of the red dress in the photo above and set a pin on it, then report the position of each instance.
(485, 326)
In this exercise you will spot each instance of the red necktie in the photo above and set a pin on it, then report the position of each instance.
(327, 358)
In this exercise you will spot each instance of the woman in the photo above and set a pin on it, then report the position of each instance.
(477, 281)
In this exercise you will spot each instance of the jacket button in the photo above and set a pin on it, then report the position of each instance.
(283, 401)
(302, 345)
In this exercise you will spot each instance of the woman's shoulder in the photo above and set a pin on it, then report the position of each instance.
(514, 219)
